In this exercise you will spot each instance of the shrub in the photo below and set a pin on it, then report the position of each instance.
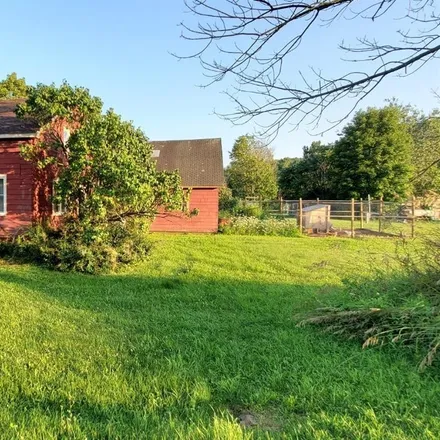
(81, 248)
(255, 226)
(250, 211)
(400, 308)
(230, 206)
(227, 202)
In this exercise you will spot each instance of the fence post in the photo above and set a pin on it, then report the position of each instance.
(413, 215)
(327, 220)
(352, 218)
(369, 209)
(300, 215)
(362, 213)
(380, 213)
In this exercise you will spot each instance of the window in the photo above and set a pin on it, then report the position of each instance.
(57, 208)
(66, 135)
(2, 194)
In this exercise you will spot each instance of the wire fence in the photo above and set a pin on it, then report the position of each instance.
(353, 217)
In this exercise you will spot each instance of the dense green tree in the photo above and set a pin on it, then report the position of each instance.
(308, 177)
(425, 130)
(104, 168)
(104, 177)
(373, 156)
(13, 87)
(285, 162)
(252, 171)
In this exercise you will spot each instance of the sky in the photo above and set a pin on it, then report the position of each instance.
(121, 51)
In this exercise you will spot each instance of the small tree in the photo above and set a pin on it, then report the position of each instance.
(373, 156)
(252, 171)
(103, 173)
(104, 169)
(13, 87)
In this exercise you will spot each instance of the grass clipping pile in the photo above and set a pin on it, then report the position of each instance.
(398, 307)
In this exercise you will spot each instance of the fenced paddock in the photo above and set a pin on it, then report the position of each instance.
(357, 217)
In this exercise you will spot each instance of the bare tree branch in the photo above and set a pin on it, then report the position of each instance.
(252, 40)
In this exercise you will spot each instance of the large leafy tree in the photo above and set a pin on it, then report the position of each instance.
(252, 171)
(13, 87)
(373, 156)
(308, 177)
(425, 130)
(103, 166)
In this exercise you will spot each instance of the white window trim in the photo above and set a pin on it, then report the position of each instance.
(5, 189)
(57, 208)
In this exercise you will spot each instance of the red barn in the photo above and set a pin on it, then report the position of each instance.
(17, 184)
(200, 164)
(25, 194)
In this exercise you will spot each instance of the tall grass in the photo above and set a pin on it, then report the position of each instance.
(404, 310)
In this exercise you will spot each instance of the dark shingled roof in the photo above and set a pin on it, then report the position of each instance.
(199, 161)
(10, 124)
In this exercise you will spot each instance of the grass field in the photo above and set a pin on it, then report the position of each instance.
(202, 333)
(399, 228)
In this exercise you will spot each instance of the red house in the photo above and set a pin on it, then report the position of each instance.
(200, 164)
(25, 197)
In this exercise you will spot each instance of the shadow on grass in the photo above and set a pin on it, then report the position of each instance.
(181, 349)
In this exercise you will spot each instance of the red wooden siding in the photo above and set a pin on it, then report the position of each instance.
(206, 201)
(19, 187)
(28, 198)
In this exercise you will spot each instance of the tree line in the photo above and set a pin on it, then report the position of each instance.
(390, 152)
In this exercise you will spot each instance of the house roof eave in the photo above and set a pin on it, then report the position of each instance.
(18, 136)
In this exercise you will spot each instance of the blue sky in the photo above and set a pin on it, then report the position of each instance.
(121, 52)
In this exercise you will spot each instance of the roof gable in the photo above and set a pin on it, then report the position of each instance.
(199, 161)
(10, 125)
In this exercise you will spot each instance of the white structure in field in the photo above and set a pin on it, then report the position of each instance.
(317, 218)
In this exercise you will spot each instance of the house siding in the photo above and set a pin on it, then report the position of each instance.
(203, 199)
(19, 179)
(29, 190)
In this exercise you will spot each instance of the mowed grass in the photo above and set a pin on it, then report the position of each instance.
(422, 228)
(202, 333)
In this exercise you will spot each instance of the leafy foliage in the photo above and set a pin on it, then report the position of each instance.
(226, 201)
(256, 226)
(425, 130)
(45, 103)
(310, 176)
(252, 171)
(13, 87)
(373, 156)
(104, 169)
(103, 173)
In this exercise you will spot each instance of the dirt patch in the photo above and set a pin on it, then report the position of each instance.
(252, 419)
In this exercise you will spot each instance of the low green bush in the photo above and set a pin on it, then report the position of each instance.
(227, 202)
(81, 248)
(230, 206)
(256, 226)
(250, 211)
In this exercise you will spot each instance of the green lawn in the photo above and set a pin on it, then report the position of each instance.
(399, 228)
(204, 331)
